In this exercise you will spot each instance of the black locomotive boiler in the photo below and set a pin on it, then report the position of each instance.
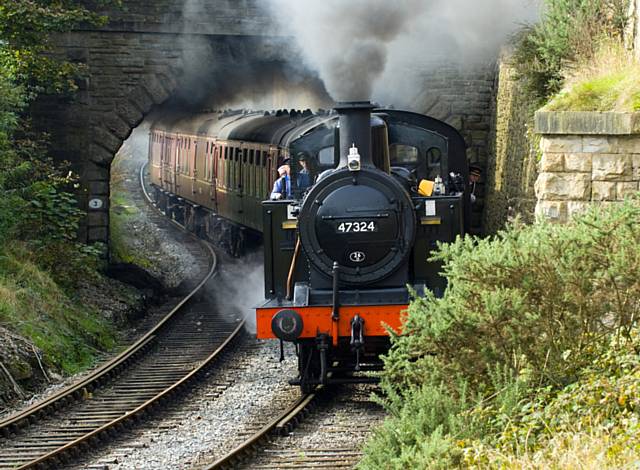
(340, 256)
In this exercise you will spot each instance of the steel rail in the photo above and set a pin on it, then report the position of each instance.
(114, 367)
(84, 385)
(142, 408)
(277, 426)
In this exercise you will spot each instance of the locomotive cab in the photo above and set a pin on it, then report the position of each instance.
(340, 261)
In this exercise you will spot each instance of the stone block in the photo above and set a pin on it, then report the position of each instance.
(93, 172)
(99, 188)
(154, 88)
(100, 156)
(612, 167)
(561, 144)
(552, 162)
(577, 207)
(599, 144)
(130, 113)
(603, 191)
(628, 144)
(589, 122)
(116, 125)
(555, 211)
(635, 162)
(563, 186)
(627, 189)
(106, 139)
(98, 218)
(97, 234)
(578, 162)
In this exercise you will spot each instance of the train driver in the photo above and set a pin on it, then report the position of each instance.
(282, 186)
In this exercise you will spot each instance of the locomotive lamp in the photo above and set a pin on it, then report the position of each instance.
(355, 134)
(353, 160)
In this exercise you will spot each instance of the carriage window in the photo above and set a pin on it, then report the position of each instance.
(251, 153)
(399, 153)
(325, 156)
(226, 153)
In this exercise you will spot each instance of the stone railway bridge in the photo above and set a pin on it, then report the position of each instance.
(154, 50)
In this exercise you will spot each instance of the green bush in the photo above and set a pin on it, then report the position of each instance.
(524, 315)
(538, 299)
(569, 31)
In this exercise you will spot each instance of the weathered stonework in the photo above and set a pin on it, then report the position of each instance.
(511, 169)
(462, 98)
(154, 50)
(586, 158)
(145, 55)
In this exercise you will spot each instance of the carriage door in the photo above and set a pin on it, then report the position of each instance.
(238, 184)
(167, 163)
(213, 193)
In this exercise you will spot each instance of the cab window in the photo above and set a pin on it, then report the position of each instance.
(325, 156)
(403, 154)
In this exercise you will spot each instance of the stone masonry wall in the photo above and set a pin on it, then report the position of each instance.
(147, 54)
(512, 160)
(462, 98)
(587, 158)
(138, 61)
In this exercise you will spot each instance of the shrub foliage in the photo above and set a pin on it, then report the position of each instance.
(525, 317)
(40, 260)
(569, 32)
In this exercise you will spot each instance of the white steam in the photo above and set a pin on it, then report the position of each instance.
(368, 49)
(239, 289)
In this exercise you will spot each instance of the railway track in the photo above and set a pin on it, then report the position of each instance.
(163, 363)
(321, 430)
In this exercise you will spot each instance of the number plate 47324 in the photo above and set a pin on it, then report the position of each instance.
(357, 226)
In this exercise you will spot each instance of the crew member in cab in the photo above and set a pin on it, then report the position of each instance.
(475, 172)
(304, 179)
(282, 186)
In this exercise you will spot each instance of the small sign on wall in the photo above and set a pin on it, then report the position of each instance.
(96, 203)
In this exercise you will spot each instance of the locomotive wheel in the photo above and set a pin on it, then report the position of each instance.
(308, 366)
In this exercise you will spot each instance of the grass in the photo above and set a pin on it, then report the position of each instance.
(123, 212)
(610, 82)
(34, 306)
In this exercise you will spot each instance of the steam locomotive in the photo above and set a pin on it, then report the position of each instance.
(340, 257)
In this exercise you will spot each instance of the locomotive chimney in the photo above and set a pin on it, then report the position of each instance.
(355, 130)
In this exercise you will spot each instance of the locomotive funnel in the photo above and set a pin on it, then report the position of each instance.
(355, 129)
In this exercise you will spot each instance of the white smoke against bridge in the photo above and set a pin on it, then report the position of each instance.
(373, 49)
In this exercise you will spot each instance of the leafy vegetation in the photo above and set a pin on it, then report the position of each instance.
(610, 81)
(40, 260)
(569, 32)
(529, 358)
